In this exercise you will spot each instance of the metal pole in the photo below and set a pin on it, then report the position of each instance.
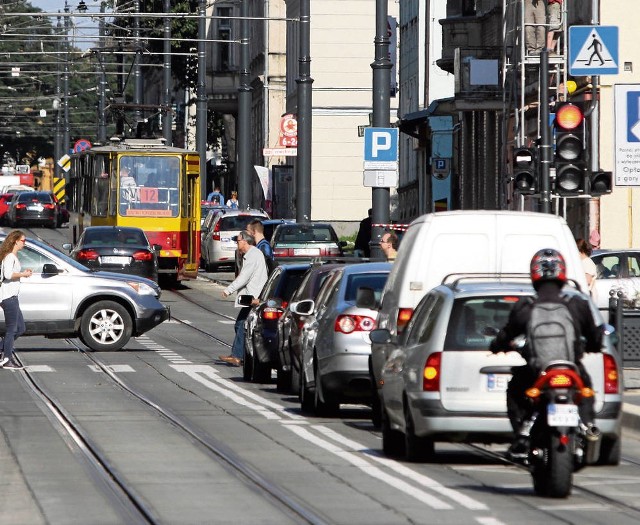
(381, 67)
(243, 133)
(546, 152)
(305, 105)
(137, 73)
(65, 97)
(102, 82)
(167, 115)
(57, 146)
(201, 95)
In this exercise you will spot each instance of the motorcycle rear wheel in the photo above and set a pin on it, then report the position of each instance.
(553, 476)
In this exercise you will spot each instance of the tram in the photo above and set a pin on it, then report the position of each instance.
(142, 183)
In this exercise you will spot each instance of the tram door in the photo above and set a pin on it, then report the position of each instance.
(191, 198)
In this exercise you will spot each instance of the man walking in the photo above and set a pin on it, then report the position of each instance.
(250, 281)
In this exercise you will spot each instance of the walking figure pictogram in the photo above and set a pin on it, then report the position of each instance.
(597, 46)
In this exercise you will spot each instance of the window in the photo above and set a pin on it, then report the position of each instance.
(424, 319)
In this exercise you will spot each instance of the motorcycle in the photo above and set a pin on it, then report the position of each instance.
(559, 442)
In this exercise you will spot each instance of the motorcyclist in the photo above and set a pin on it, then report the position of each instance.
(548, 276)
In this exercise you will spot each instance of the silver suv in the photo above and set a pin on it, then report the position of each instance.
(218, 246)
(441, 382)
(63, 298)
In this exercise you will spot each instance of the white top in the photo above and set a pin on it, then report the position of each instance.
(252, 276)
(10, 265)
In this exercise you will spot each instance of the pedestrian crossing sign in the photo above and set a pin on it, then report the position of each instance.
(593, 50)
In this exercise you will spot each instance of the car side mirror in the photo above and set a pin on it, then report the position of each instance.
(366, 298)
(67, 246)
(302, 307)
(245, 300)
(156, 247)
(380, 336)
(50, 269)
(342, 244)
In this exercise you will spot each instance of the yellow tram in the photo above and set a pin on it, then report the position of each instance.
(142, 183)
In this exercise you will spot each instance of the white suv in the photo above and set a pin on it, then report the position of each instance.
(218, 244)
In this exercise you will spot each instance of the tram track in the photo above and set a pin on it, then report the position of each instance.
(130, 504)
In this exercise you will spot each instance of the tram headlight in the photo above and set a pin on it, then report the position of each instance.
(143, 288)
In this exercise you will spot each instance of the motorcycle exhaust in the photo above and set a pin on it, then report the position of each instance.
(592, 443)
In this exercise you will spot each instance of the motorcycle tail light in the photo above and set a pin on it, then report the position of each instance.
(564, 440)
(587, 392)
(560, 381)
(611, 378)
(431, 373)
(404, 316)
(271, 314)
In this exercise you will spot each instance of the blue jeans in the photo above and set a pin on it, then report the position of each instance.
(237, 350)
(14, 324)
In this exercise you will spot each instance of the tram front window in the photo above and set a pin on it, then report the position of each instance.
(151, 186)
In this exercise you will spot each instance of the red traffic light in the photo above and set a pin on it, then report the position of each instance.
(569, 116)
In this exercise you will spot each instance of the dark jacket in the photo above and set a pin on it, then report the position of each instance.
(551, 292)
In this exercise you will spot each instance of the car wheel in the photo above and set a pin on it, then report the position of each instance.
(261, 371)
(283, 382)
(610, 451)
(307, 395)
(417, 449)
(325, 403)
(295, 377)
(105, 326)
(392, 440)
(247, 364)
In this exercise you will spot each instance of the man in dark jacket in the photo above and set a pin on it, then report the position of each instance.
(548, 275)
(364, 235)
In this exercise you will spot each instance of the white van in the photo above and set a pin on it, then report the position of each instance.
(439, 244)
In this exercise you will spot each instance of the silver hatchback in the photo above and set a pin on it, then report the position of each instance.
(63, 299)
(441, 383)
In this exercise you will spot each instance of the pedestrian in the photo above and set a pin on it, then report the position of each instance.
(233, 201)
(250, 281)
(389, 245)
(535, 18)
(555, 24)
(362, 247)
(256, 229)
(216, 196)
(588, 265)
(11, 273)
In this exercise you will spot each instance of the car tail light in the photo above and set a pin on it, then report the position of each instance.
(281, 252)
(87, 255)
(21, 206)
(333, 252)
(611, 378)
(142, 255)
(431, 373)
(272, 314)
(404, 316)
(49, 206)
(216, 232)
(354, 323)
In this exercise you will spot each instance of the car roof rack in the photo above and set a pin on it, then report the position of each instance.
(454, 279)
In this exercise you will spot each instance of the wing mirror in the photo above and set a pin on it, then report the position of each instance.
(50, 269)
(302, 307)
(244, 300)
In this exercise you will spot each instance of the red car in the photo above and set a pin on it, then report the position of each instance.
(4, 206)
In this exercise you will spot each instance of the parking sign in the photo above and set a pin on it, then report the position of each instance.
(381, 145)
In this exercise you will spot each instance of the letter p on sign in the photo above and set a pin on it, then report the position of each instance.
(381, 144)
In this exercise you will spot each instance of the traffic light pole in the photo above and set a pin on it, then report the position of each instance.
(546, 153)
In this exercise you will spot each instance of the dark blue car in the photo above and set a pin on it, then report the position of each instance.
(261, 340)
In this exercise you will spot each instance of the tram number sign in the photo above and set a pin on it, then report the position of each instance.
(148, 195)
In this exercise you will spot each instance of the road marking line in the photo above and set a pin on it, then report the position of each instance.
(113, 368)
(423, 480)
(371, 470)
(39, 368)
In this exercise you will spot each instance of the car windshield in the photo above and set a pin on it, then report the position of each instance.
(35, 197)
(32, 259)
(370, 280)
(114, 236)
(302, 233)
(471, 317)
(236, 222)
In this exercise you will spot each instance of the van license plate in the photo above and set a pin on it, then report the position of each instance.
(562, 415)
(497, 382)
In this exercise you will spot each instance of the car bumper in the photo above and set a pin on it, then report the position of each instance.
(346, 375)
(152, 317)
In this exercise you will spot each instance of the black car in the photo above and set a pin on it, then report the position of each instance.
(262, 340)
(290, 324)
(116, 249)
(33, 208)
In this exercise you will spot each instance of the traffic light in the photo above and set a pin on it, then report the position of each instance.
(525, 170)
(571, 154)
(600, 183)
